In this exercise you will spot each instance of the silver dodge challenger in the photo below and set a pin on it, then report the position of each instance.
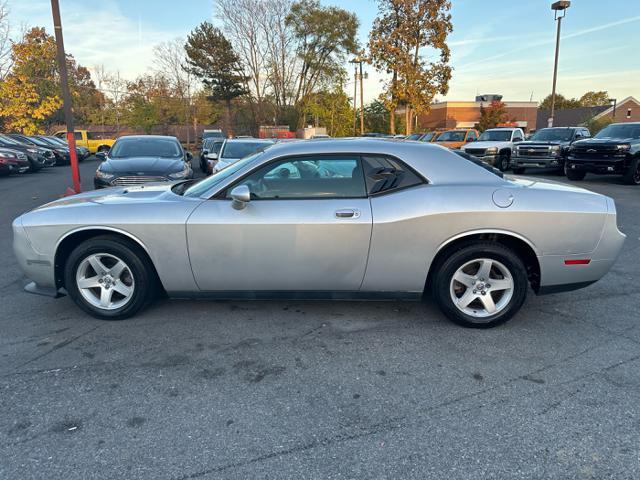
(337, 219)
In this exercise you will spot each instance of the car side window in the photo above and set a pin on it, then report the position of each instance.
(77, 135)
(471, 136)
(517, 137)
(312, 177)
(384, 174)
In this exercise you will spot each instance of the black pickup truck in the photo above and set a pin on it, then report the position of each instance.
(547, 148)
(614, 150)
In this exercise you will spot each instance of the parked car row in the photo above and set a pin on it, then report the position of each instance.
(29, 153)
(571, 151)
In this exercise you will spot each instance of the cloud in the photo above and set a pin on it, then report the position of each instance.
(101, 35)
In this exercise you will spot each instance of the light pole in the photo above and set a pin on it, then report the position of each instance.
(560, 10)
(615, 102)
(358, 61)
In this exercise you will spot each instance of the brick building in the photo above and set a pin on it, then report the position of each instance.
(445, 115)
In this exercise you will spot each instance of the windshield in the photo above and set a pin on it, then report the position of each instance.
(428, 137)
(562, 134)
(241, 149)
(451, 137)
(57, 141)
(620, 131)
(495, 136)
(200, 187)
(414, 136)
(10, 140)
(145, 147)
(38, 142)
(49, 142)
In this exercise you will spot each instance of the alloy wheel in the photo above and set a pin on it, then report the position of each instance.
(105, 281)
(482, 288)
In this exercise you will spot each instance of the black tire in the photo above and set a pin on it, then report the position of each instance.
(442, 283)
(504, 160)
(518, 170)
(136, 261)
(632, 175)
(574, 175)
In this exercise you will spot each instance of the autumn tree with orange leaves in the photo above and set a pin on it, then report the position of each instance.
(408, 41)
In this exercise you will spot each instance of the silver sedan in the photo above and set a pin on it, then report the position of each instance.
(341, 219)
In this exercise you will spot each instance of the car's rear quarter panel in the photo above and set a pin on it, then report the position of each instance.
(411, 226)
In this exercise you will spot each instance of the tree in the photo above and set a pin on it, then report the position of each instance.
(324, 37)
(28, 93)
(376, 117)
(243, 22)
(211, 57)
(331, 109)
(493, 115)
(561, 102)
(594, 99)
(401, 33)
(5, 41)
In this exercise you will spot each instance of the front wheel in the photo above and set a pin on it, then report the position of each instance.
(632, 175)
(575, 175)
(481, 285)
(503, 162)
(109, 278)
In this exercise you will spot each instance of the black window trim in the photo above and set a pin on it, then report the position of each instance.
(222, 194)
(423, 180)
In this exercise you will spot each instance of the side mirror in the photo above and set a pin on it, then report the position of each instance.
(101, 155)
(189, 156)
(205, 151)
(212, 156)
(241, 195)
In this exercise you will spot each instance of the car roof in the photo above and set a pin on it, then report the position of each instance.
(249, 140)
(436, 163)
(138, 137)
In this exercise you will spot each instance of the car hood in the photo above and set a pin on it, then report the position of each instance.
(115, 195)
(142, 165)
(486, 144)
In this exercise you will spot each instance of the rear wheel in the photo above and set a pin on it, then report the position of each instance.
(481, 285)
(632, 175)
(109, 278)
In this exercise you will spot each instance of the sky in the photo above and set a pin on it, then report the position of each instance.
(497, 46)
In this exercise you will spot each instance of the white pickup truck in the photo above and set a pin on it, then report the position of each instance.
(495, 146)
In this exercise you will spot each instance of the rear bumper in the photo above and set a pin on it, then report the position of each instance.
(556, 275)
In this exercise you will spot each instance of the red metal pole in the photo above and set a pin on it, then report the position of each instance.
(66, 96)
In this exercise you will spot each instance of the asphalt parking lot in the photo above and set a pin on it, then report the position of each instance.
(319, 390)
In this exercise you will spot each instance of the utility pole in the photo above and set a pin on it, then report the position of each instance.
(559, 6)
(361, 100)
(66, 97)
(355, 93)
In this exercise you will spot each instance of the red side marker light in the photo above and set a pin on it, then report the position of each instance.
(585, 261)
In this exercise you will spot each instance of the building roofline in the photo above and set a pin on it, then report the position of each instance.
(610, 109)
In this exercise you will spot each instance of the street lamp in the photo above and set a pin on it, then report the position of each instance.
(613, 101)
(359, 60)
(560, 10)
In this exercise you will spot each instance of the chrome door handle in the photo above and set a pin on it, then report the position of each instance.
(348, 213)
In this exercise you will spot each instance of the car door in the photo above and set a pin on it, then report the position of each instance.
(307, 227)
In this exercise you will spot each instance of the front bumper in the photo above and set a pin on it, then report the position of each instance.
(600, 166)
(37, 267)
(536, 162)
